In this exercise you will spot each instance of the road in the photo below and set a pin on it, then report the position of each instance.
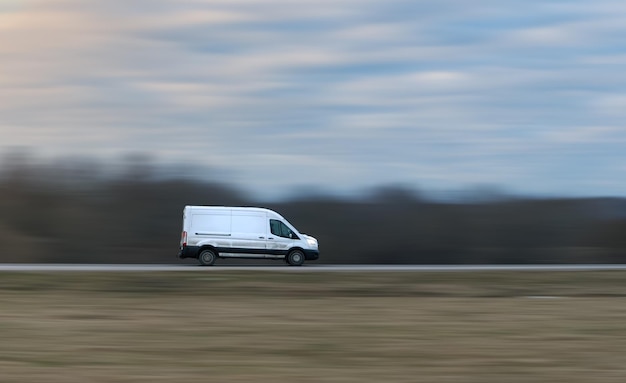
(23, 267)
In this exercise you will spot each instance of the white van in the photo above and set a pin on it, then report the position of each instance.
(210, 232)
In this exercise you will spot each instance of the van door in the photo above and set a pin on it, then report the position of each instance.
(281, 237)
(249, 233)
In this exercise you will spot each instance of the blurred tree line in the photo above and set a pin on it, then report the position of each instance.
(70, 212)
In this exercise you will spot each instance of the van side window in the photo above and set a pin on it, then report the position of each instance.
(280, 229)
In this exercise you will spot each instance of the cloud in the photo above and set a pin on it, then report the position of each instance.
(341, 92)
(611, 105)
(587, 135)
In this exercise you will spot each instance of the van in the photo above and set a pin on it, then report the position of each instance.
(211, 232)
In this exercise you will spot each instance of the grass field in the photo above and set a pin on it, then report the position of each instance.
(313, 327)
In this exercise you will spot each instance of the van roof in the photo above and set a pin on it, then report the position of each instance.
(248, 208)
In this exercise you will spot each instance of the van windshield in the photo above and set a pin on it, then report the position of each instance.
(280, 229)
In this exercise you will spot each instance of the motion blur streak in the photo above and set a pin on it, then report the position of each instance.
(80, 212)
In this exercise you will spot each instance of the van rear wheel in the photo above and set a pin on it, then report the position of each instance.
(207, 257)
(295, 258)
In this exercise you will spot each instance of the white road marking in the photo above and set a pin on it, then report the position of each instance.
(24, 267)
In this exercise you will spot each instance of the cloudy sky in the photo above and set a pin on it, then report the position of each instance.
(526, 95)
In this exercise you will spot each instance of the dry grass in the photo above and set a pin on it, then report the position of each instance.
(334, 327)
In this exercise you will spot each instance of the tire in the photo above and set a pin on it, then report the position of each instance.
(207, 257)
(295, 258)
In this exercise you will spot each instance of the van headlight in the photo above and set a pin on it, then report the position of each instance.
(311, 241)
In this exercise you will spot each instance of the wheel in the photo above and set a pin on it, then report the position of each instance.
(295, 258)
(207, 257)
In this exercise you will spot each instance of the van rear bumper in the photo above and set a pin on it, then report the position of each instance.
(189, 252)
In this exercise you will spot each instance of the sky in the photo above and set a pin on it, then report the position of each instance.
(528, 96)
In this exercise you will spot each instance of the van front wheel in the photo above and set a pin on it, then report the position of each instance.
(207, 257)
(295, 258)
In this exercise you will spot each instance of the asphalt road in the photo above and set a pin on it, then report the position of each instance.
(23, 267)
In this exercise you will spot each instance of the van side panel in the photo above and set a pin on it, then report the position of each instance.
(211, 224)
(210, 227)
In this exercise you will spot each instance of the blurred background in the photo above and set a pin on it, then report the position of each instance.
(436, 132)
(83, 211)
